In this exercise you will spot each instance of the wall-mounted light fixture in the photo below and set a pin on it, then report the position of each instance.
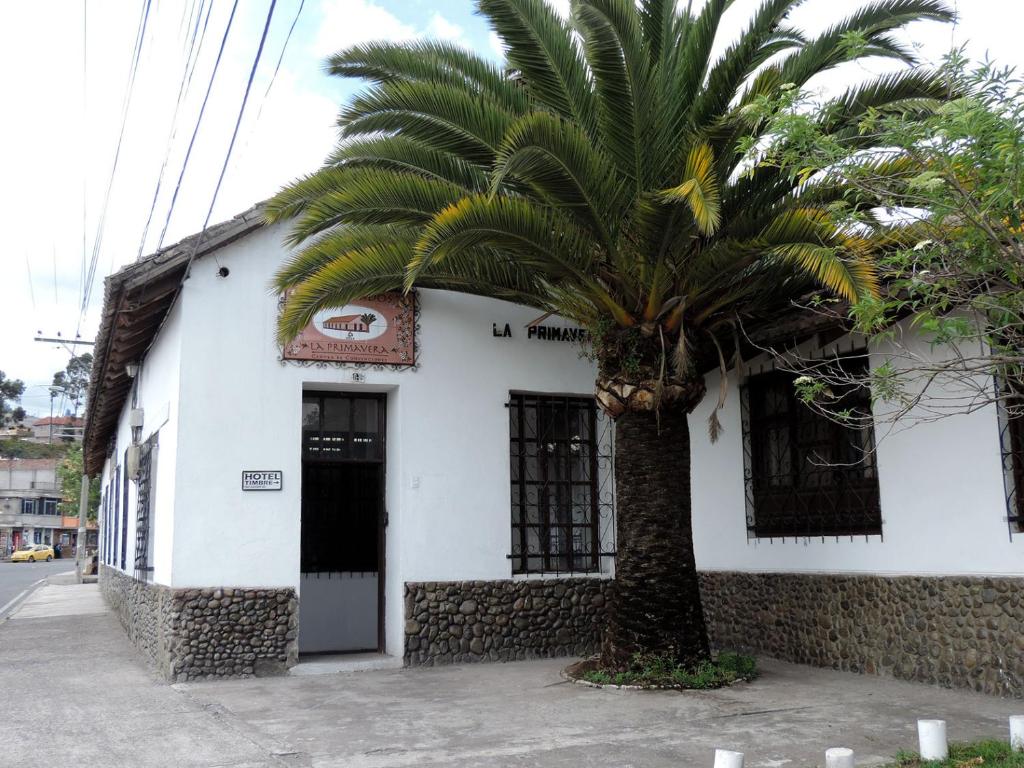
(132, 369)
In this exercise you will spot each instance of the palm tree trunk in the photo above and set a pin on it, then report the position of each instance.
(656, 606)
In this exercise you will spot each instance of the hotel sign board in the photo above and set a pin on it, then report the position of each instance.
(378, 330)
(262, 480)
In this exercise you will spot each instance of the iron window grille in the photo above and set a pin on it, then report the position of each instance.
(144, 506)
(1011, 436)
(562, 494)
(807, 474)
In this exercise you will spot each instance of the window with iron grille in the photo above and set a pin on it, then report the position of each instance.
(808, 474)
(144, 505)
(1011, 423)
(560, 463)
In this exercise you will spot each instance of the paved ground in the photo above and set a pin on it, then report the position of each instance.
(17, 577)
(68, 656)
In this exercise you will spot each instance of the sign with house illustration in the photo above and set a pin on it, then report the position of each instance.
(378, 330)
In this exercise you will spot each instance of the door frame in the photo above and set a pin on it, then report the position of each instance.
(382, 513)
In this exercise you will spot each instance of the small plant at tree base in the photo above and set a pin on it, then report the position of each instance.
(662, 671)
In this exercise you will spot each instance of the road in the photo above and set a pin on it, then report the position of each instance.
(16, 577)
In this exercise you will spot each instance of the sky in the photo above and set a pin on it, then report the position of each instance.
(65, 204)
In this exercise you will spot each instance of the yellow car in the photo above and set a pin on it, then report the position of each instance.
(33, 552)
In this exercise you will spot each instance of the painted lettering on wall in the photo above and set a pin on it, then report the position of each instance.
(542, 332)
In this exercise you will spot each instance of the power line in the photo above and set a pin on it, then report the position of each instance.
(186, 80)
(98, 240)
(199, 121)
(31, 290)
(273, 77)
(234, 133)
(280, 58)
(85, 154)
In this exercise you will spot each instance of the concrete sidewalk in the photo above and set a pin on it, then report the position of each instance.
(82, 697)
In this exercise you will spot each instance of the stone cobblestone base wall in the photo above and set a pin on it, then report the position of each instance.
(192, 634)
(461, 621)
(952, 631)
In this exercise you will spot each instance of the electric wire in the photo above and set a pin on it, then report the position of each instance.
(31, 290)
(280, 58)
(273, 77)
(186, 79)
(234, 135)
(199, 121)
(98, 240)
(85, 122)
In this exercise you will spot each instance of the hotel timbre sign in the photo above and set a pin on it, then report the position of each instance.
(377, 330)
(262, 480)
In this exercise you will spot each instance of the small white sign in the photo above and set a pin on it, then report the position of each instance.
(261, 480)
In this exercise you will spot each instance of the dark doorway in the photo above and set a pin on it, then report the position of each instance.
(342, 555)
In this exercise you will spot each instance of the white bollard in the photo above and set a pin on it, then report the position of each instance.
(838, 757)
(931, 736)
(1017, 733)
(724, 758)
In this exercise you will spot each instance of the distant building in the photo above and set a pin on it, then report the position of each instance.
(28, 503)
(29, 495)
(50, 428)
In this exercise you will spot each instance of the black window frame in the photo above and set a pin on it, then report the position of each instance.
(1011, 435)
(565, 557)
(144, 505)
(28, 506)
(808, 475)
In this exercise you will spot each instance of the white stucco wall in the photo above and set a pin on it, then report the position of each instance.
(213, 386)
(156, 393)
(447, 485)
(940, 485)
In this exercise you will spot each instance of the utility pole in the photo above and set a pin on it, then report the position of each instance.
(81, 562)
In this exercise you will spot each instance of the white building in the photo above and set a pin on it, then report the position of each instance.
(29, 495)
(451, 498)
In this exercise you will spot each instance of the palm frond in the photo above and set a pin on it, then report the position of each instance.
(402, 153)
(619, 63)
(540, 46)
(374, 196)
(447, 117)
(556, 159)
(699, 189)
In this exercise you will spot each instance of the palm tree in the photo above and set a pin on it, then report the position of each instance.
(600, 175)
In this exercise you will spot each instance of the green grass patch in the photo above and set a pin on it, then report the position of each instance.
(650, 670)
(990, 754)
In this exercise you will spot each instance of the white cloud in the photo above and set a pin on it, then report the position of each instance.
(496, 45)
(441, 27)
(347, 22)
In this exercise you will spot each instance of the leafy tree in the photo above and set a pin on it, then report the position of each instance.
(11, 390)
(69, 475)
(18, 415)
(952, 188)
(598, 175)
(74, 379)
